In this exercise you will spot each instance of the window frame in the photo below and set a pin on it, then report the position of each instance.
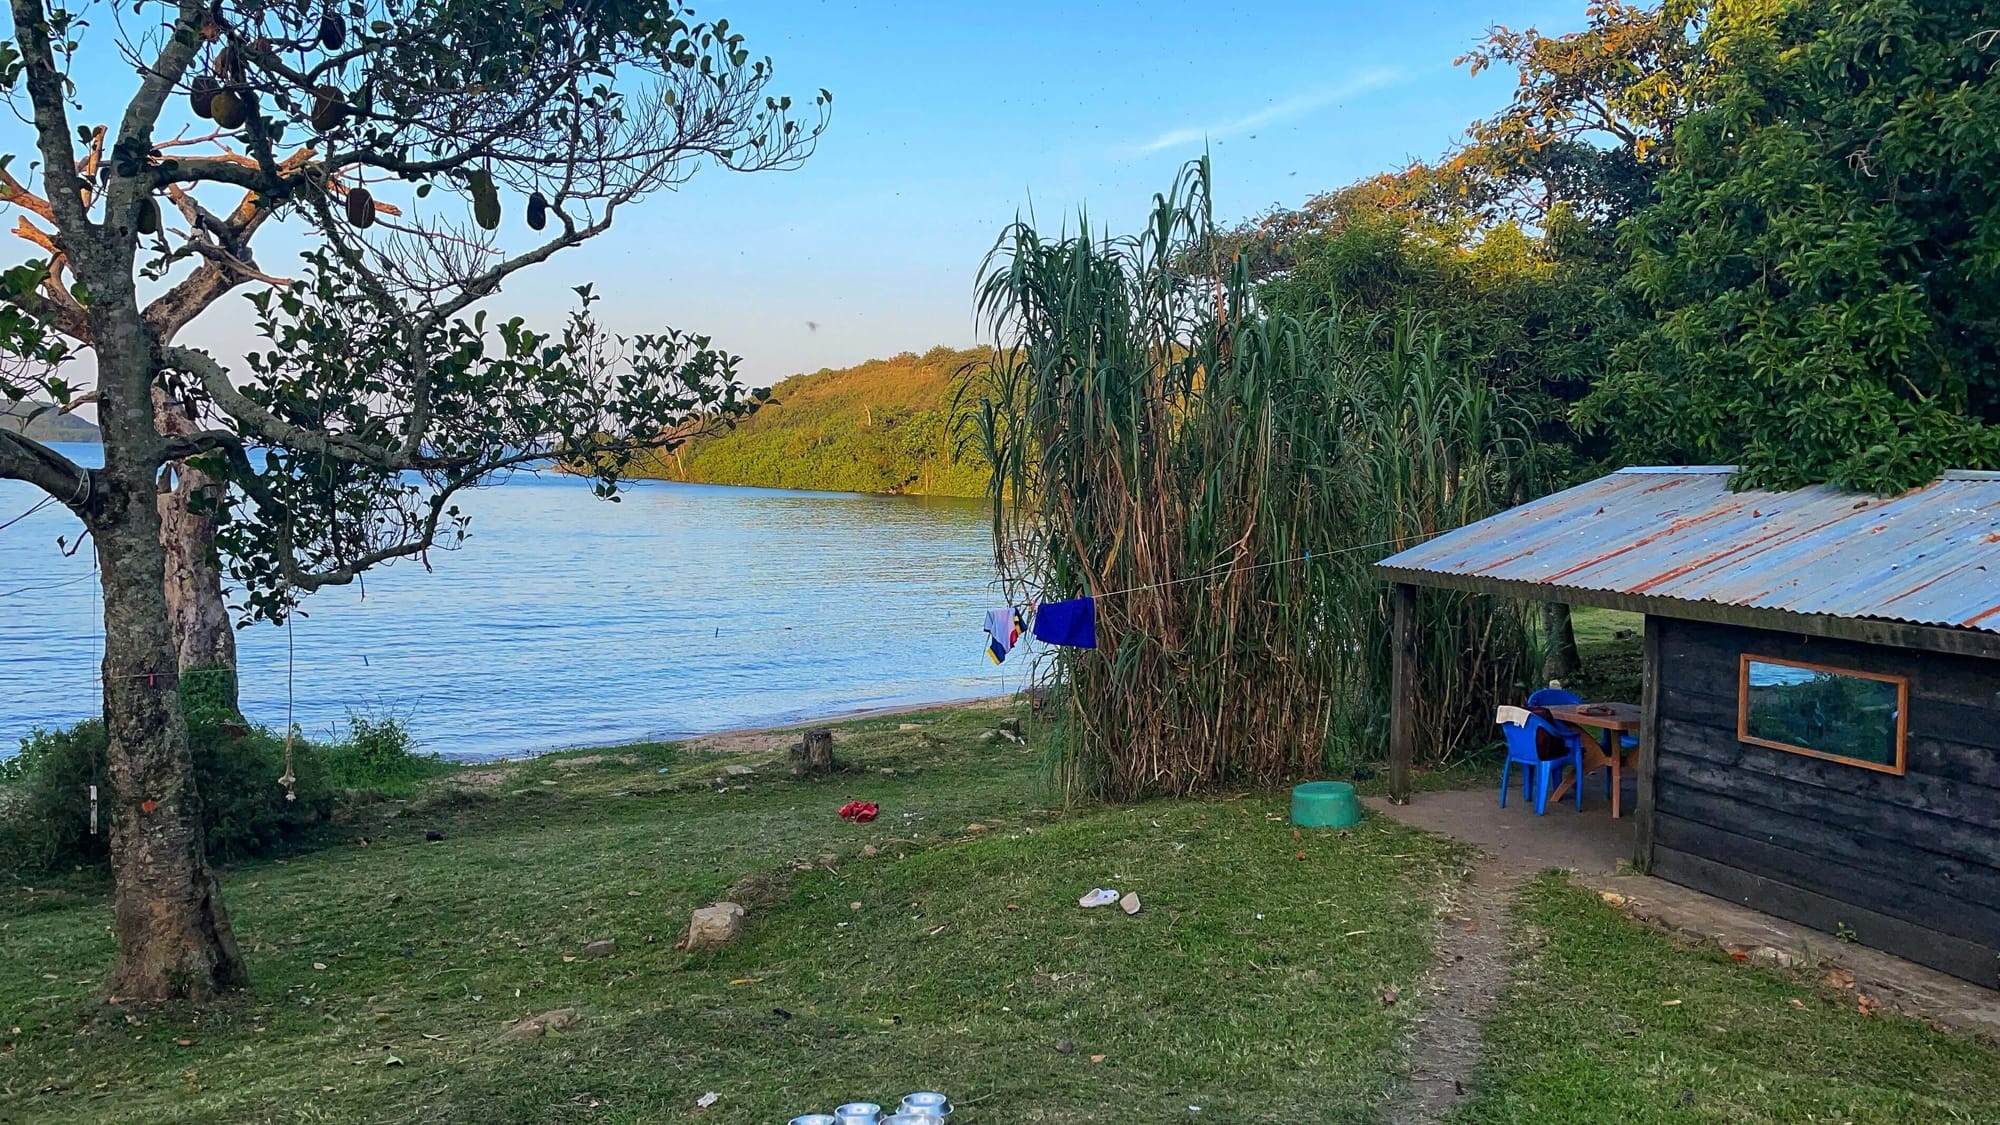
(1898, 768)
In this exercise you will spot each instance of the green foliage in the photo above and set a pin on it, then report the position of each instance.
(45, 809)
(880, 427)
(1822, 269)
(378, 755)
(1518, 311)
(1227, 480)
(495, 397)
(208, 695)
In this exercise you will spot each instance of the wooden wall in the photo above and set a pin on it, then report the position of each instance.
(1907, 864)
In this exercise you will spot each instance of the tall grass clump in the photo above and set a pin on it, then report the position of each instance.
(1222, 481)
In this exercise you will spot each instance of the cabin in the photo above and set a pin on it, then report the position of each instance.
(1820, 717)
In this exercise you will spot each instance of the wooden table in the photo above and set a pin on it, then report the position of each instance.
(1610, 720)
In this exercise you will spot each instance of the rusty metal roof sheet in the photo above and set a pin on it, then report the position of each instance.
(1930, 556)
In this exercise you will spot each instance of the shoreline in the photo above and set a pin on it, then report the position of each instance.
(726, 740)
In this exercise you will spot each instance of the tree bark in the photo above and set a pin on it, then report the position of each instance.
(174, 938)
(813, 756)
(203, 636)
(1560, 659)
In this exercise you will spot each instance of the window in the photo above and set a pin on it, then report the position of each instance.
(1859, 718)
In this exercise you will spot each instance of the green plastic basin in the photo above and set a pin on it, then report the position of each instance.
(1325, 804)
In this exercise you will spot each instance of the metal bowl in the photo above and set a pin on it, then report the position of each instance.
(815, 1119)
(926, 1102)
(859, 1113)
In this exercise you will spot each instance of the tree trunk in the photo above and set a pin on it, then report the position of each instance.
(1560, 658)
(196, 611)
(813, 756)
(174, 939)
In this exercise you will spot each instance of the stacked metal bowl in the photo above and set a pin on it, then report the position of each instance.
(925, 1107)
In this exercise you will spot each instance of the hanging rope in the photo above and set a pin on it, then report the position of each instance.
(290, 779)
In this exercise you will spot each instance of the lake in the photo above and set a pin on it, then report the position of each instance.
(570, 621)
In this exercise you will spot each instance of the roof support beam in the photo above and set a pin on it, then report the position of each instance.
(1403, 692)
(1649, 748)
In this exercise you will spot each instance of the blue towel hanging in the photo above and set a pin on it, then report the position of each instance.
(1072, 623)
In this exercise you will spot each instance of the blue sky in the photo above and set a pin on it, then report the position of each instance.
(950, 118)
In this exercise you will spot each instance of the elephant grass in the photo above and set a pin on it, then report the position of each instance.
(1222, 481)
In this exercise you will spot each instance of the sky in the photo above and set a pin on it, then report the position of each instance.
(950, 119)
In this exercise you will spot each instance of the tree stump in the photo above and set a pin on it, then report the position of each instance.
(813, 756)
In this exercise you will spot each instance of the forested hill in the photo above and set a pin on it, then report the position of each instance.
(46, 425)
(882, 426)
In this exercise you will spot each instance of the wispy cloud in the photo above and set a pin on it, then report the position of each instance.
(1298, 106)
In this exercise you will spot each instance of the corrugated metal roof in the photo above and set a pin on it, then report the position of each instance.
(1930, 556)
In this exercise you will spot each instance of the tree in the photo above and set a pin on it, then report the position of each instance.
(1507, 243)
(1820, 276)
(382, 393)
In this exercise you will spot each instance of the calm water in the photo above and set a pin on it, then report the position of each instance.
(569, 621)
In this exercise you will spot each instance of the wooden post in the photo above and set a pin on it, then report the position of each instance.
(1402, 692)
(813, 756)
(1649, 746)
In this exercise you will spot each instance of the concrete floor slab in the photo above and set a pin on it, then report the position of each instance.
(1598, 849)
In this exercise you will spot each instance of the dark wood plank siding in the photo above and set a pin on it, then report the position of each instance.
(1908, 864)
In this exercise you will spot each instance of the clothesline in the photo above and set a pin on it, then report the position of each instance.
(1306, 557)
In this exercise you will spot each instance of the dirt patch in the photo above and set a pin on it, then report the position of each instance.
(477, 780)
(578, 763)
(785, 737)
(1455, 999)
(760, 888)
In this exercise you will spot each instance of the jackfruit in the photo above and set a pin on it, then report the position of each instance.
(229, 109)
(360, 207)
(485, 199)
(328, 110)
(201, 91)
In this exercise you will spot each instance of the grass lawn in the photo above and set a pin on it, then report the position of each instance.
(1252, 985)
(1609, 1021)
(1613, 650)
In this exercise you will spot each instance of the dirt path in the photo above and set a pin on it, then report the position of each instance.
(1466, 980)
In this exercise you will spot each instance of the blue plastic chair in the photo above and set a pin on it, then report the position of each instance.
(1563, 697)
(1538, 774)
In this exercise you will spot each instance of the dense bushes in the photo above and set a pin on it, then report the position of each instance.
(44, 791)
(46, 823)
(378, 755)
